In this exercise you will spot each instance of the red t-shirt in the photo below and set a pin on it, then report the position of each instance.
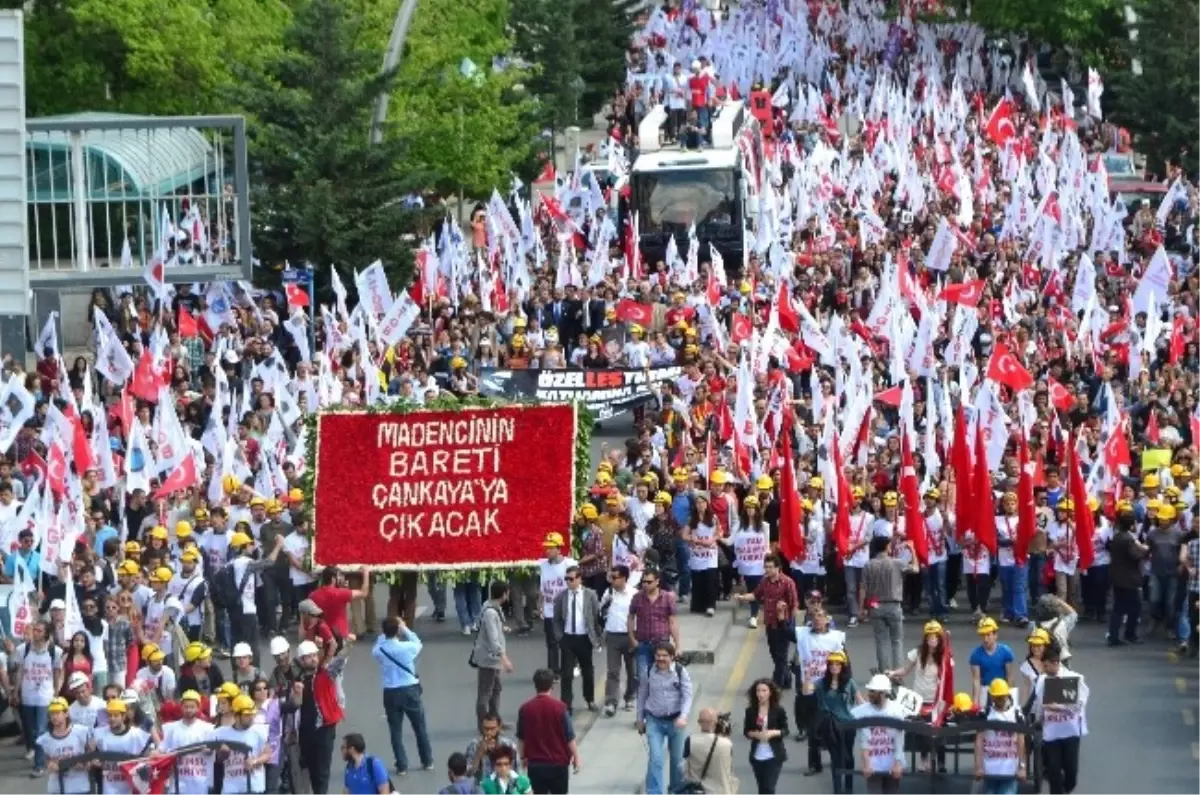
(333, 602)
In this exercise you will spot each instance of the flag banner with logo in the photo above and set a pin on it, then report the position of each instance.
(605, 393)
(442, 489)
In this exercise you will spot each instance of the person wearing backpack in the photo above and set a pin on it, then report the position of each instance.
(243, 611)
(364, 773)
(39, 677)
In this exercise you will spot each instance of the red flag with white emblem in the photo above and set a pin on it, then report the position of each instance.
(965, 293)
(1004, 368)
(1060, 396)
(1026, 510)
(914, 522)
(1000, 126)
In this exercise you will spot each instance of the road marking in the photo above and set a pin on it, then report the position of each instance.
(741, 667)
(1181, 684)
(1189, 717)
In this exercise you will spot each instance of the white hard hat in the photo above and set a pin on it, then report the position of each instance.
(695, 66)
(242, 650)
(279, 645)
(879, 684)
(306, 648)
(77, 680)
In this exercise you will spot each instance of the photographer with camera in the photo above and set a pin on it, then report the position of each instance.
(709, 755)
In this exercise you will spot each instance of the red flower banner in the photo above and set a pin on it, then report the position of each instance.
(472, 488)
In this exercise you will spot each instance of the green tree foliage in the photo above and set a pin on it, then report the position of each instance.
(1161, 106)
(604, 30)
(143, 56)
(466, 123)
(321, 192)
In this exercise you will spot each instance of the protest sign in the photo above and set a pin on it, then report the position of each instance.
(468, 488)
(606, 393)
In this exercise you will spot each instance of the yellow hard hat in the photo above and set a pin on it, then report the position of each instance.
(274, 506)
(553, 540)
(663, 498)
(719, 477)
(858, 492)
(457, 362)
(158, 655)
(520, 322)
(1150, 481)
(963, 702)
(196, 651)
(605, 466)
(1093, 504)
(588, 511)
(680, 475)
(764, 483)
(1010, 496)
(1067, 505)
(295, 495)
(228, 690)
(132, 548)
(891, 500)
(816, 482)
(57, 705)
(190, 695)
(258, 502)
(183, 529)
(1124, 506)
(986, 624)
(1166, 513)
(999, 689)
(603, 478)
(1039, 637)
(1177, 470)
(933, 493)
(744, 288)
(129, 568)
(239, 540)
(636, 329)
(836, 657)
(231, 484)
(116, 706)
(159, 532)
(807, 503)
(751, 501)
(612, 500)
(190, 555)
(1172, 492)
(933, 628)
(148, 649)
(243, 704)
(161, 574)
(201, 514)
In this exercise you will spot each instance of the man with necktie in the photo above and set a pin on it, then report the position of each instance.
(577, 627)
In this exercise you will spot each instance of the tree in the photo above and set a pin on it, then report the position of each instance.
(322, 193)
(463, 111)
(604, 31)
(1160, 105)
(142, 56)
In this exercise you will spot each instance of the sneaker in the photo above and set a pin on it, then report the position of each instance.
(953, 604)
(439, 617)
(752, 623)
(523, 631)
(575, 672)
(593, 706)
(29, 756)
(399, 772)
(474, 628)
(466, 631)
(710, 612)
(610, 710)
(628, 707)
(853, 622)
(427, 768)
(38, 772)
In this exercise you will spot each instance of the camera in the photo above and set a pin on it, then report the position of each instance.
(724, 725)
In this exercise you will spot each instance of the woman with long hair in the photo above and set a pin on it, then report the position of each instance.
(925, 664)
(78, 659)
(268, 721)
(63, 740)
(765, 726)
(663, 535)
(701, 536)
(751, 543)
(836, 695)
(1031, 667)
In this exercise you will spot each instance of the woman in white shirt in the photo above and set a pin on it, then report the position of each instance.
(1000, 755)
(925, 664)
(750, 546)
(1095, 580)
(1031, 666)
(701, 536)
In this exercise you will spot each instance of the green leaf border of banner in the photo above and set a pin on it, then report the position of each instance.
(584, 427)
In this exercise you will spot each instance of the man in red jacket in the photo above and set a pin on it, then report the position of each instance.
(314, 699)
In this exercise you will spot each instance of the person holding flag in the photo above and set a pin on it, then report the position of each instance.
(1012, 575)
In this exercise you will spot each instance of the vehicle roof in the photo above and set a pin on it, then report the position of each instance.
(686, 159)
(1135, 186)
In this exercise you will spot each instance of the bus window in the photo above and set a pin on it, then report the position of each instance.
(678, 199)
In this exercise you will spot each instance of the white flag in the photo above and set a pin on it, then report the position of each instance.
(1085, 283)
(942, 249)
(1095, 90)
(1030, 86)
(1155, 280)
(373, 290)
(48, 339)
(399, 318)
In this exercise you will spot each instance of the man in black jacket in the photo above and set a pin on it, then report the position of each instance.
(1125, 573)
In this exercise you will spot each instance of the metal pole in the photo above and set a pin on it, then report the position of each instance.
(79, 199)
(391, 59)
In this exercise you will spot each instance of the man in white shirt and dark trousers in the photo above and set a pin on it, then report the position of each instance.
(1063, 724)
(614, 610)
(577, 628)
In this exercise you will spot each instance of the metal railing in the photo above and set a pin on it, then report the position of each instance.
(108, 193)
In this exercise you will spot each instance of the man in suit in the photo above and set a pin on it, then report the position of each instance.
(577, 628)
(571, 324)
(595, 310)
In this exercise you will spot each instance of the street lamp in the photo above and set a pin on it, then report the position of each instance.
(391, 59)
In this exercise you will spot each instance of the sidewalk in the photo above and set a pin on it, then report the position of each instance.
(614, 754)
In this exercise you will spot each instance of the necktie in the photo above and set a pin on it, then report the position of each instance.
(574, 613)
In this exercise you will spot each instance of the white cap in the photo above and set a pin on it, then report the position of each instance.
(130, 696)
(279, 645)
(58, 604)
(695, 66)
(306, 648)
(879, 683)
(242, 650)
(77, 680)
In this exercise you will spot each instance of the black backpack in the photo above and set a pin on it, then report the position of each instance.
(226, 590)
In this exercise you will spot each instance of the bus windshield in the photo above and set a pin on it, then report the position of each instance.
(670, 201)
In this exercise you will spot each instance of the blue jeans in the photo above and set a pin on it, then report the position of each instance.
(1037, 564)
(468, 602)
(752, 581)
(658, 732)
(34, 722)
(1012, 591)
(935, 585)
(1162, 596)
(1000, 786)
(405, 702)
(683, 554)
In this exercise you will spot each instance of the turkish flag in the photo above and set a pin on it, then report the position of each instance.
(1116, 449)
(546, 174)
(1000, 126)
(788, 319)
(791, 513)
(1026, 510)
(631, 311)
(1060, 396)
(34, 465)
(81, 446)
(181, 478)
(845, 501)
(1085, 523)
(965, 293)
(187, 324)
(296, 296)
(149, 775)
(741, 328)
(1175, 352)
(1152, 431)
(985, 504)
(145, 381)
(890, 397)
(1004, 368)
(960, 457)
(914, 522)
(56, 470)
(713, 289)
